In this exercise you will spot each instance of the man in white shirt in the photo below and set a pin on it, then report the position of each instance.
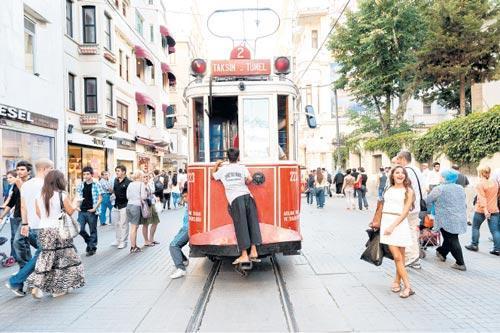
(434, 177)
(30, 225)
(412, 253)
(242, 208)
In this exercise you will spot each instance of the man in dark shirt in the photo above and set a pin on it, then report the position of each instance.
(120, 208)
(462, 179)
(339, 181)
(362, 191)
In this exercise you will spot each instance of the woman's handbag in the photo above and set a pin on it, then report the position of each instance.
(145, 208)
(68, 228)
(374, 253)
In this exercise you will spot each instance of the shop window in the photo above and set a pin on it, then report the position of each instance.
(29, 45)
(314, 39)
(90, 95)
(283, 135)
(127, 164)
(107, 32)
(127, 62)
(120, 63)
(89, 25)
(122, 116)
(139, 23)
(71, 91)
(109, 99)
(140, 68)
(69, 18)
(80, 157)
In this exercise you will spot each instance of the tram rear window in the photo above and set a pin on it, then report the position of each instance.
(223, 126)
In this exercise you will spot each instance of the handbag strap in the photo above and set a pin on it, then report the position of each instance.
(418, 182)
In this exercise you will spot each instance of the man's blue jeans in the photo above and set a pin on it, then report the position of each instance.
(320, 196)
(89, 218)
(493, 224)
(22, 246)
(179, 241)
(15, 222)
(17, 281)
(105, 206)
(362, 197)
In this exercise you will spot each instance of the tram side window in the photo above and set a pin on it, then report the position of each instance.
(199, 144)
(283, 135)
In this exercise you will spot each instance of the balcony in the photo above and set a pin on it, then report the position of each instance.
(157, 136)
(98, 124)
(88, 49)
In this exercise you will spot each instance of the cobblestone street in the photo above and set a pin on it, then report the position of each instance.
(330, 289)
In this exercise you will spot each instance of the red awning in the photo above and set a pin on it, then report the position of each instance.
(167, 35)
(143, 54)
(143, 99)
(165, 68)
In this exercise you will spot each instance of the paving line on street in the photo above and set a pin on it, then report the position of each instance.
(194, 323)
(286, 304)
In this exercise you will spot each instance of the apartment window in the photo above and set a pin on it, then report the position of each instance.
(152, 74)
(109, 98)
(107, 31)
(71, 91)
(151, 33)
(314, 39)
(141, 114)
(69, 18)
(139, 23)
(122, 116)
(126, 67)
(153, 117)
(151, 2)
(427, 108)
(124, 9)
(140, 69)
(90, 95)
(120, 63)
(29, 45)
(89, 32)
(165, 81)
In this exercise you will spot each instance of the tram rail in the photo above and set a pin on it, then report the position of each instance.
(196, 319)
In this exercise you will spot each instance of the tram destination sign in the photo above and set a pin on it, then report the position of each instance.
(241, 67)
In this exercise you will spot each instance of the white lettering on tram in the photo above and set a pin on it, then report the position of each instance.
(293, 176)
(224, 67)
(256, 67)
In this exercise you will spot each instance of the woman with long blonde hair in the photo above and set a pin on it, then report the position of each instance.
(136, 194)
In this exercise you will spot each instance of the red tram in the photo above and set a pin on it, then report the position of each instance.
(243, 103)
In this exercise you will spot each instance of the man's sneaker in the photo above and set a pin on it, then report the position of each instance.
(121, 246)
(440, 256)
(472, 248)
(115, 243)
(18, 291)
(178, 273)
(497, 253)
(459, 267)
(36, 293)
(186, 263)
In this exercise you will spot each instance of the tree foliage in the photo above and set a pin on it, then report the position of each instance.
(392, 144)
(462, 46)
(375, 48)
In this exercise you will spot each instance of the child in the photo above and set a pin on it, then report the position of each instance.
(179, 241)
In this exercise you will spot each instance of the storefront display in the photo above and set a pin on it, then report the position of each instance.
(127, 164)
(80, 157)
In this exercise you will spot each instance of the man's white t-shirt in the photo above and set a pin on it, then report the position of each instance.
(181, 179)
(30, 191)
(233, 177)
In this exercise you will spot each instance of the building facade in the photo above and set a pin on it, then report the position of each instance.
(31, 88)
(117, 81)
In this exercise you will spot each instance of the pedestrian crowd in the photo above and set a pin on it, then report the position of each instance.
(39, 210)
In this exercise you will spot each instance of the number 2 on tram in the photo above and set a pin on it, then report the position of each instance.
(241, 104)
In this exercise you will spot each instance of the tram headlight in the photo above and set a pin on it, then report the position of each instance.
(198, 67)
(282, 65)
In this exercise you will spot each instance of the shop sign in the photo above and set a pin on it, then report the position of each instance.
(98, 142)
(241, 67)
(126, 144)
(11, 113)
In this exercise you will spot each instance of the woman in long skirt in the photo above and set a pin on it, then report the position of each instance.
(58, 268)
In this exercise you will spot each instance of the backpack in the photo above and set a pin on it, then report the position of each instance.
(158, 185)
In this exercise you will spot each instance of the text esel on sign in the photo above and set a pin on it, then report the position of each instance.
(15, 114)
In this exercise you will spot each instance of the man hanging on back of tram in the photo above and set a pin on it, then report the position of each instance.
(242, 208)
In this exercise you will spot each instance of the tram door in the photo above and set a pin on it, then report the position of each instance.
(223, 126)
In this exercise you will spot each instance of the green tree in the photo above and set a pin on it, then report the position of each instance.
(462, 47)
(375, 48)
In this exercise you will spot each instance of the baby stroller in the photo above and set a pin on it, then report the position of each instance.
(5, 260)
(428, 237)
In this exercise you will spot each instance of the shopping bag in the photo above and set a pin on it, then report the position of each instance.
(374, 252)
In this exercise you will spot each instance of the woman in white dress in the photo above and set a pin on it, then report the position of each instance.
(394, 228)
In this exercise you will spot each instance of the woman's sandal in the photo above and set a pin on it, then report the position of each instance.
(156, 243)
(407, 292)
(135, 249)
(255, 259)
(396, 288)
(240, 261)
(150, 244)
